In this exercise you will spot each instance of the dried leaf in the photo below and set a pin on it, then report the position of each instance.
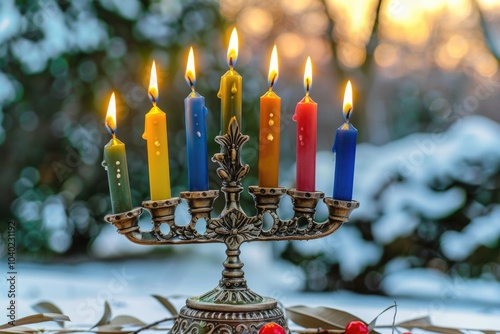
(36, 318)
(48, 307)
(111, 329)
(425, 323)
(320, 317)
(126, 320)
(372, 323)
(18, 330)
(105, 317)
(168, 305)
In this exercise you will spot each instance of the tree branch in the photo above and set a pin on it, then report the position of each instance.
(488, 35)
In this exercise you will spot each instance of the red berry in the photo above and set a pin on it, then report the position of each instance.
(272, 328)
(356, 327)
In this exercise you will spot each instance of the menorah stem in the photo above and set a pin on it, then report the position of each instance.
(233, 275)
(232, 195)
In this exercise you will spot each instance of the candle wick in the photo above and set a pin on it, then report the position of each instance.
(348, 115)
(231, 63)
(113, 134)
(191, 83)
(272, 83)
(152, 98)
(307, 87)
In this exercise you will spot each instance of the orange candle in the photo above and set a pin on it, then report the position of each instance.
(269, 136)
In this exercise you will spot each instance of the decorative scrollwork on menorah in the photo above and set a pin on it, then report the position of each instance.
(231, 307)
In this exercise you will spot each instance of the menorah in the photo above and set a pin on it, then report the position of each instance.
(232, 307)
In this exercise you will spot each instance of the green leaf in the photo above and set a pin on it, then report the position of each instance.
(105, 317)
(320, 317)
(36, 318)
(48, 307)
(168, 305)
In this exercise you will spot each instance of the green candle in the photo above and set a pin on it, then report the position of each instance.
(115, 162)
(230, 91)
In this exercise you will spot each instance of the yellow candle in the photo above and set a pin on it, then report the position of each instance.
(269, 136)
(155, 133)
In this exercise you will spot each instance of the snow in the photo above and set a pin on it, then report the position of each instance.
(10, 20)
(480, 231)
(393, 183)
(83, 32)
(81, 289)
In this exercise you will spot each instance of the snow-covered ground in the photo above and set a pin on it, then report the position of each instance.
(81, 289)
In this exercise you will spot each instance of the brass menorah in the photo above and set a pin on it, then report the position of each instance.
(231, 307)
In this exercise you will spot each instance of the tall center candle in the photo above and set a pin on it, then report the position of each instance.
(115, 163)
(306, 118)
(345, 151)
(196, 132)
(155, 133)
(269, 135)
(230, 91)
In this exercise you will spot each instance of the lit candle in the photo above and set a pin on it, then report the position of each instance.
(196, 132)
(115, 163)
(344, 147)
(269, 137)
(305, 116)
(231, 87)
(155, 133)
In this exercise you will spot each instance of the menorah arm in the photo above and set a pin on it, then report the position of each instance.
(163, 214)
(302, 226)
(339, 212)
(127, 223)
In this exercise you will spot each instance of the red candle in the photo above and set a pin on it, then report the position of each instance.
(305, 116)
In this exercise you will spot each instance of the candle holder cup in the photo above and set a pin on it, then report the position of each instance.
(232, 307)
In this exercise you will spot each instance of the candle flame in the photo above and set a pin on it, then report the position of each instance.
(111, 115)
(347, 109)
(273, 68)
(190, 70)
(153, 85)
(308, 76)
(232, 49)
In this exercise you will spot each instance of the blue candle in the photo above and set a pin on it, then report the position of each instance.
(344, 148)
(196, 132)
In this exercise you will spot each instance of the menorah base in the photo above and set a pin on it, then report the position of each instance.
(227, 319)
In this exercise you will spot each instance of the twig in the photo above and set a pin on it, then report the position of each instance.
(394, 317)
(487, 34)
(316, 331)
(153, 324)
(373, 41)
